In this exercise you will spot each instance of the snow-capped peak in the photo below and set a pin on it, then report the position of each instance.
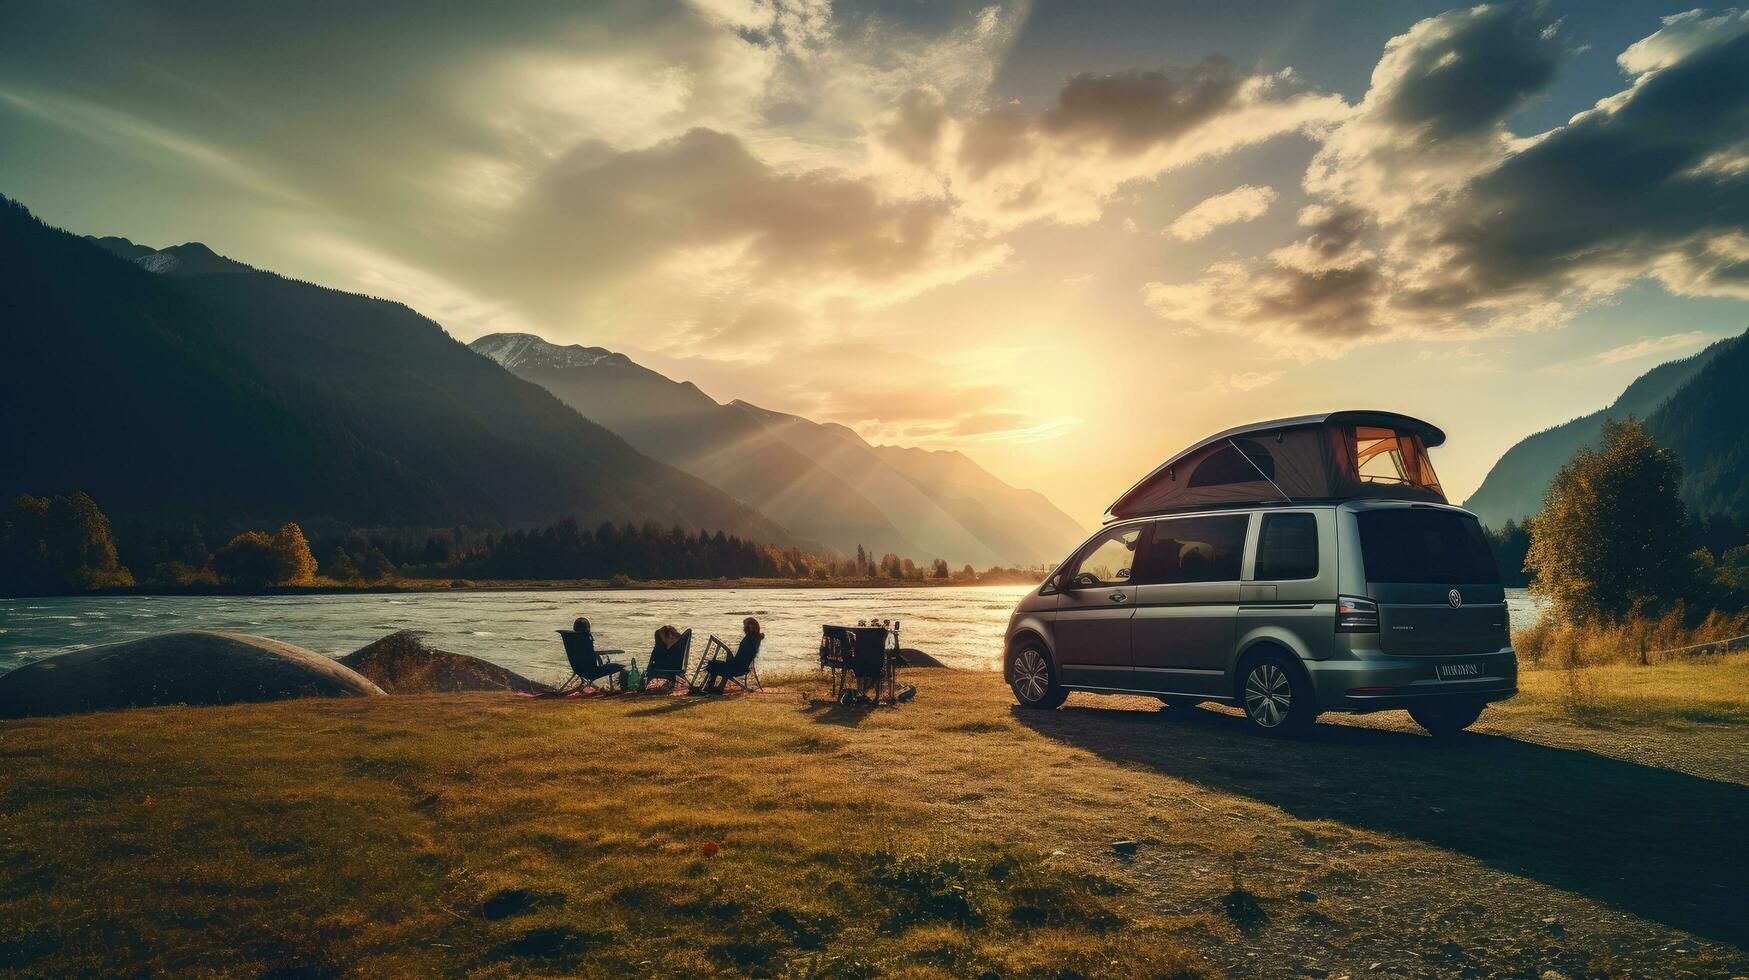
(525, 350)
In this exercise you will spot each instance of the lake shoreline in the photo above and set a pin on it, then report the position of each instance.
(452, 586)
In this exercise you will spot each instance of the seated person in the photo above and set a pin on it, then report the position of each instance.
(586, 662)
(668, 656)
(719, 672)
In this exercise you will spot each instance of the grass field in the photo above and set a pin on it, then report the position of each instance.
(1598, 834)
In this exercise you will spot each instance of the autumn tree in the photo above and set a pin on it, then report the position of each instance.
(293, 563)
(58, 544)
(1612, 536)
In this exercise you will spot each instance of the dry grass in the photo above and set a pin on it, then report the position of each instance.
(492, 835)
(1693, 695)
(1551, 644)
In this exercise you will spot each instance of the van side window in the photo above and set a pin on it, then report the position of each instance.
(1194, 549)
(1287, 547)
(1110, 560)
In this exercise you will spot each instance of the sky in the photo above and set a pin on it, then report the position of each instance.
(1067, 239)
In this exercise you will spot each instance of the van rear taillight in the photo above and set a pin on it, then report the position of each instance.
(1356, 615)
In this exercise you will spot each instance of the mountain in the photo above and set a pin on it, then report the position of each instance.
(820, 481)
(248, 398)
(188, 259)
(681, 425)
(1687, 405)
(1012, 521)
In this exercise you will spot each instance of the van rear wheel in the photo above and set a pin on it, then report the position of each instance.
(1278, 700)
(1033, 679)
(1445, 719)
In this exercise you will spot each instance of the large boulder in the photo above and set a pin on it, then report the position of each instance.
(175, 668)
(401, 663)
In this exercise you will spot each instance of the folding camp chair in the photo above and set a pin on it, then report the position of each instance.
(836, 643)
(864, 657)
(668, 663)
(738, 664)
(588, 665)
(874, 660)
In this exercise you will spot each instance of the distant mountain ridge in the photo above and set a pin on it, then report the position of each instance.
(1698, 406)
(822, 481)
(246, 398)
(187, 259)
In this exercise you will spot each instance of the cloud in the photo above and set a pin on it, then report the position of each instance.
(1635, 350)
(701, 212)
(1243, 203)
(1435, 220)
(1006, 167)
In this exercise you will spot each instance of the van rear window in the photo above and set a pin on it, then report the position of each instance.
(1415, 544)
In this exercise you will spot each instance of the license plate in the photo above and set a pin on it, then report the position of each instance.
(1459, 672)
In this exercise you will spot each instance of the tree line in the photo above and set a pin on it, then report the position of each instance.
(66, 545)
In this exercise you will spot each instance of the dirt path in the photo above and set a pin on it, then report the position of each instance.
(1370, 848)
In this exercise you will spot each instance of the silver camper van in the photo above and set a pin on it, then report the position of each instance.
(1289, 568)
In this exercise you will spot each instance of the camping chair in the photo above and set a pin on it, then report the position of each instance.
(588, 666)
(874, 662)
(668, 663)
(836, 643)
(739, 669)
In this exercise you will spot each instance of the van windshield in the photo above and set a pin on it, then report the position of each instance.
(1416, 544)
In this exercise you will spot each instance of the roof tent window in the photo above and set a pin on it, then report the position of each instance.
(1390, 457)
(1239, 461)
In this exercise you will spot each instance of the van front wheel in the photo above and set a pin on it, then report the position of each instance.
(1277, 699)
(1034, 680)
(1445, 719)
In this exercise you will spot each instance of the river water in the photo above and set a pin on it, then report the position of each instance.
(962, 627)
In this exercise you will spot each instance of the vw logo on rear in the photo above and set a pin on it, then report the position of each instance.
(1454, 597)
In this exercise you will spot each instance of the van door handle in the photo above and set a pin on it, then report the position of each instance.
(1118, 597)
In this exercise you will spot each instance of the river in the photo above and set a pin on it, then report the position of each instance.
(960, 626)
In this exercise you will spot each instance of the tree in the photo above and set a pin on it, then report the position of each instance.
(340, 566)
(939, 568)
(861, 560)
(247, 560)
(376, 566)
(1613, 535)
(58, 544)
(1509, 545)
(293, 563)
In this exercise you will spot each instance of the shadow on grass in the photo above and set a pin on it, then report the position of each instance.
(1659, 843)
(669, 704)
(833, 713)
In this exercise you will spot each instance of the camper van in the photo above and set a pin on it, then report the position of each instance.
(1287, 568)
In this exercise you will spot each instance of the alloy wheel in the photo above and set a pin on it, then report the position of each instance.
(1032, 677)
(1268, 695)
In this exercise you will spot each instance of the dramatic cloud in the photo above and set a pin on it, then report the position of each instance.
(1242, 203)
(702, 210)
(1005, 167)
(1436, 220)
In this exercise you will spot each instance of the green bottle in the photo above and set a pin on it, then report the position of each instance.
(634, 676)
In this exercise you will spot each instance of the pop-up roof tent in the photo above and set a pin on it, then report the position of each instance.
(1337, 456)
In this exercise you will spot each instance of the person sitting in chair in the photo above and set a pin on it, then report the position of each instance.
(668, 656)
(587, 664)
(718, 673)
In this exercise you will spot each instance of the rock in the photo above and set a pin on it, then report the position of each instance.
(176, 668)
(912, 657)
(401, 663)
(1124, 848)
(1306, 896)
